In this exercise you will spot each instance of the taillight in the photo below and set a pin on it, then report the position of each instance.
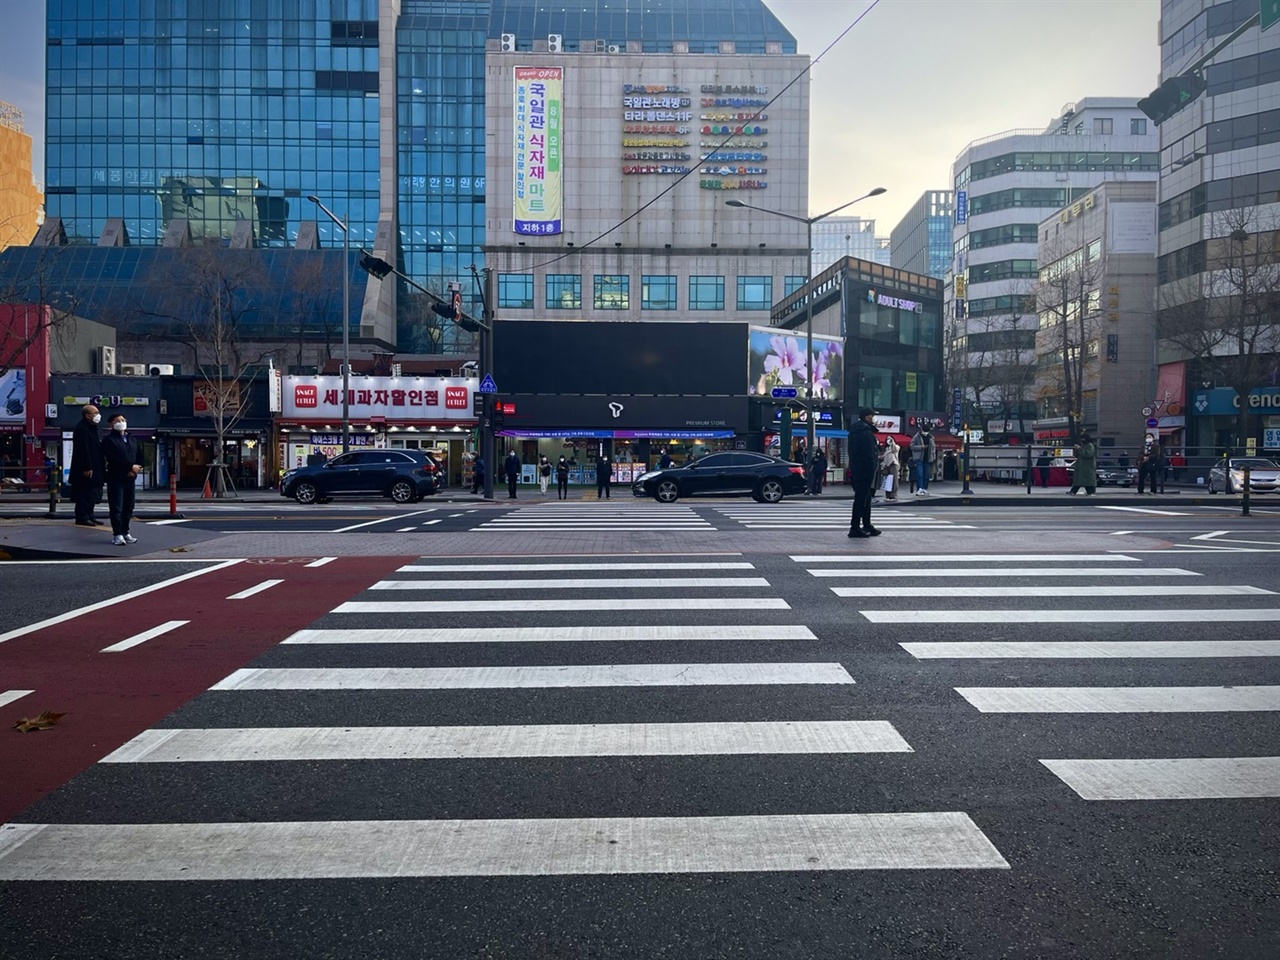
(796, 470)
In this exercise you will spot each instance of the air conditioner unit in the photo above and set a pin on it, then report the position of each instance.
(508, 43)
(555, 43)
(614, 48)
(160, 370)
(107, 360)
(133, 369)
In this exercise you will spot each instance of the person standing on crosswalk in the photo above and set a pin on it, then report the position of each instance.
(864, 467)
(544, 474)
(604, 474)
(511, 467)
(924, 451)
(1084, 473)
(562, 479)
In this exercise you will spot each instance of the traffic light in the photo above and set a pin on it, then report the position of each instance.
(1170, 97)
(498, 420)
(453, 311)
(376, 267)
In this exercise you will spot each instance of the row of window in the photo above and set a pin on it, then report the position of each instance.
(1233, 193)
(563, 291)
(998, 236)
(1243, 73)
(1002, 270)
(1216, 21)
(1005, 304)
(1000, 341)
(1105, 126)
(1185, 262)
(1043, 197)
(1073, 161)
(1238, 133)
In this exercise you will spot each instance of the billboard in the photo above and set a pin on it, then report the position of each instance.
(13, 396)
(537, 181)
(387, 398)
(776, 359)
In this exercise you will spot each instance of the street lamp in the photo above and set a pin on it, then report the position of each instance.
(346, 322)
(811, 432)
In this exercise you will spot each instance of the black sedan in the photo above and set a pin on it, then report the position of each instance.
(768, 479)
(402, 475)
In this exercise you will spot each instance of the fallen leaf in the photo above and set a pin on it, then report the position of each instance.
(42, 722)
(179, 549)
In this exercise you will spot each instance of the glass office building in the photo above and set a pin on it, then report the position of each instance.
(921, 242)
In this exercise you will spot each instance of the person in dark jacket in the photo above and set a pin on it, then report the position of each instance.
(123, 464)
(511, 467)
(477, 475)
(604, 473)
(864, 467)
(664, 462)
(562, 479)
(86, 465)
(817, 471)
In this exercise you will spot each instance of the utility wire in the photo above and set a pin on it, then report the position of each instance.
(684, 176)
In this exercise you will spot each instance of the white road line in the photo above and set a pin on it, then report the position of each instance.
(144, 636)
(257, 588)
(880, 525)
(625, 632)
(1072, 590)
(1199, 778)
(102, 604)
(321, 561)
(168, 523)
(469, 568)
(1089, 649)
(1073, 617)
(406, 529)
(9, 696)
(1122, 533)
(427, 523)
(649, 604)
(501, 848)
(525, 740)
(480, 678)
(610, 583)
(966, 558)
(1211, 536)
(1009, 572)
(1162, 513)
(394, 516)
(1121, 699)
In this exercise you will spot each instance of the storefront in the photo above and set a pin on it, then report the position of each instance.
(432, 414)
(1215, 416)
(189, 431)
(138, 398)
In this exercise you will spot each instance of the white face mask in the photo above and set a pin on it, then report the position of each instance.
(120, 426)
(96, 418)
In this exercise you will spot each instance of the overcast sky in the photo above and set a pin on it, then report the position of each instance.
(892, 103)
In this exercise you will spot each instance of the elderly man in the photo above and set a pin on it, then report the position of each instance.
(87, 471)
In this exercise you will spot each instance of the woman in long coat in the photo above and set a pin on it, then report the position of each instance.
(889, 469)
(1085, 472)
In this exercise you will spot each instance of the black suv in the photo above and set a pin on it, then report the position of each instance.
(402, 475)
(766, 478)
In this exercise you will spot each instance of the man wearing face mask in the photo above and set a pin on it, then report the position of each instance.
(121, 455)
(85, 473)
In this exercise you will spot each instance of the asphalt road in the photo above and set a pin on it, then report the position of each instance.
(987, 733)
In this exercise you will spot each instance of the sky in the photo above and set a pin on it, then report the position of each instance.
(892, 103)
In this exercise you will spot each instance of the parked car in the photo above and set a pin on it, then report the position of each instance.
(1228, 475)
(766, 478)
(402, 475)
(1109, 475)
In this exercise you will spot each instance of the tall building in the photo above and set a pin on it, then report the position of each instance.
(21, 202)
(921, 242)
(1005, 186)
(836, 238)
(1218, 296)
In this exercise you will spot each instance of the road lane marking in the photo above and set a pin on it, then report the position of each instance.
(168, 523)
(1009, 572)
(144, 636)
(406, 529)
(1072, 590)
(255, 589)
(560, 846)
(966, 558)
(1122, 533)
(103, 604)
(469, 568)
(427, 523)
(1199, 778)
(1089, 649)
(649, 604)
(321, 562)
(1122, 699)
(1211, 536)
(481, 678)
(621, 633)
(610, 583)
(1073, 617)
(394, 516)
(9, 696)
(1162, 513)
(287, 744)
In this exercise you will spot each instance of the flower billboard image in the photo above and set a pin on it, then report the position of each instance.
(776, 359)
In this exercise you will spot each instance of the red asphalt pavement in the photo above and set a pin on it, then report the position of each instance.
(110, 698)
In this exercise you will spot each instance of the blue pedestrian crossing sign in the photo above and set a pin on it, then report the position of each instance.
(487, 385)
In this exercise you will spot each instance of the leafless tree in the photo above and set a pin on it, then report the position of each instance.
(318, 316)
(33, 305)
(1068, 300)
(990, 355)
(1228, 316)
(422, 330)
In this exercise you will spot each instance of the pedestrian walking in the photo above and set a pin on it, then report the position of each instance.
(544, 475)
(86, 474)
(908, 467)
(925, 454)
(1042, 467)
(122, 464)
(664, 462)
(889, 464)
(1085, 472)
(604, 473)
(562, 479)
(817, 471)
(511, 466)
(864, 467)
(477, 475)
(1149, 465)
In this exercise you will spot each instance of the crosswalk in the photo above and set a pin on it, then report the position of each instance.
(622, 515)
(825, 515)
(581, 637)
(1146, 777)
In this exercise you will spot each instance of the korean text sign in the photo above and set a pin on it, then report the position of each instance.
(536, 150)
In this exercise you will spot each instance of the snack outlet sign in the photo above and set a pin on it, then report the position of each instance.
(394, 399)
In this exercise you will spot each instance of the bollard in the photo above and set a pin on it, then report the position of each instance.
(53, 498)
(173, 494)
(1244, 500)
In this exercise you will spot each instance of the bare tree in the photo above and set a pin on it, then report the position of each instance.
(34, 305)
(1068, 300)
(422, 330)
(318, 314)
(990, 357)
(1228, 316)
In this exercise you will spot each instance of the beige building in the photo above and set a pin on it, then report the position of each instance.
(21, 200)
(1095, 297)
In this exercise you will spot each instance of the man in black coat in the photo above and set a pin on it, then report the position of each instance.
(864, 462)
(123, 464)
(86, 472)
(511, 467)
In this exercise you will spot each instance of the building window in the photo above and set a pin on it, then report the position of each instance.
(564, 291)
(612, 293)
(706, 293)
(515, 290)
(657, 292)
(755, 293)
(1101, 126)
(1138, 126)
(792, 284)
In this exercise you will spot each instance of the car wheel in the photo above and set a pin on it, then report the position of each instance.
(667, 491)
(770, 491)
(306, 492)
(402, 491)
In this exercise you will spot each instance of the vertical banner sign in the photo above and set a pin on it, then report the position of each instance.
(538, 116)
(957, 410)
(962, 206)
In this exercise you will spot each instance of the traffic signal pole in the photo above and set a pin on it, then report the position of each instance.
(487, 446)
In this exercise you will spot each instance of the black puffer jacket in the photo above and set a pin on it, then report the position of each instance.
(864, 454)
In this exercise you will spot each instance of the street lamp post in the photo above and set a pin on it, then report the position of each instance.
(811, 431)
(346, 322)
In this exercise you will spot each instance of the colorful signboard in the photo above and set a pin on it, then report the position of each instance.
(538, 115)
(776, 359)
(13, 396)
